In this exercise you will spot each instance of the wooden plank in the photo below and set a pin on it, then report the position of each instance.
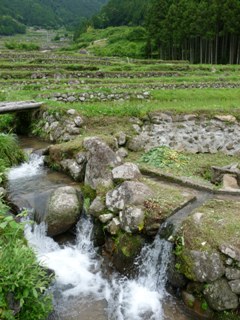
(6, 107)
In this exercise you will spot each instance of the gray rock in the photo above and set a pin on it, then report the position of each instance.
(71, 112)
(227, 118)
(219, 296)
(114, 226)
(159, 117)
(100, 160)
(56, 133)
(231, 251)
(132, 219)
(71, 129)
(81, 157)
(137, 143)
(232, 273)
(96, 207)
(76, 171)
(122, 153)
(235, 286)
(63, 210)
(206, 266)
(53, 125)
(230, 182)
(136, 128)
(104, 218)
(121, 138)
(78, 121)
(71, 99)
(67, 137)
(128, 193)
(127, 171)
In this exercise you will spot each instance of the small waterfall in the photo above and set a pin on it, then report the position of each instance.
(77, 267)
(79, 279)
(142, 297)
(78, 273)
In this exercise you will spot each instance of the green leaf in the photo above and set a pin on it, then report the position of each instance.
(21, 302)
(35, 293)
(25, 293)
(3, 225)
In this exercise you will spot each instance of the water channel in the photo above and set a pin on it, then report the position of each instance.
(84, 289)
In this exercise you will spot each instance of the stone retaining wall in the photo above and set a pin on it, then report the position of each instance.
(188, 132)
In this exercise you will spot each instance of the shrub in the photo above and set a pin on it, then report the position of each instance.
(13, 45)
(23, 282)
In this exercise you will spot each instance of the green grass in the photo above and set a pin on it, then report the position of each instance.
(216, 215)
(183, 164)
(10, 152)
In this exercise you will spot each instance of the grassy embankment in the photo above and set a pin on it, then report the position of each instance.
(23, 282)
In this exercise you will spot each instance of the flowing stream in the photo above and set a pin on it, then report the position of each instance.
(83, 289)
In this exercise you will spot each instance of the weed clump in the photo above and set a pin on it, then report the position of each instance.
(163, 156)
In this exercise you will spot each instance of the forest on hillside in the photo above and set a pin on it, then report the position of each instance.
(44, 13)
(201, 31)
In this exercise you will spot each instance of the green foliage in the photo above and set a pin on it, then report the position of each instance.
(7, 122)
(9, 26)
(50, 14)
(22, 282)
(194, 30)
(88, 192)
(161, 157)
(115, 41)
(10, 153)
(121, 12)
(21, 46)
(127, 244)
(204, 305)
(227, 315)
(179, 245)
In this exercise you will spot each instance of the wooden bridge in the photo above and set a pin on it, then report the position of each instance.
(7, 107)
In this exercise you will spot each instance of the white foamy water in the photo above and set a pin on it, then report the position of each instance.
(78, 273)
(33, 167)
(75, 266)
(142, 298)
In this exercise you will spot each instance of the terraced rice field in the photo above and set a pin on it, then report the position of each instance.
(117, 86)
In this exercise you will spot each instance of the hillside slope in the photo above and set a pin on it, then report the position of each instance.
(49, 13)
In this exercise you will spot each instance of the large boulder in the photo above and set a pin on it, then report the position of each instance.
(128, 193)
(206, 266)
(63, 210)
(127, 171)
(220, 297)
(100, 161)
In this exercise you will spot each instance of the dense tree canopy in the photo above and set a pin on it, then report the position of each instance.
(201, 31)
(119, 13)
(9, 26)
(49, 13)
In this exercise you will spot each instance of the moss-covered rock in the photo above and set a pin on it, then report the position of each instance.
(124, 250)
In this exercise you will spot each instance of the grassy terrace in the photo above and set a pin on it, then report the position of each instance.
(174, 86)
